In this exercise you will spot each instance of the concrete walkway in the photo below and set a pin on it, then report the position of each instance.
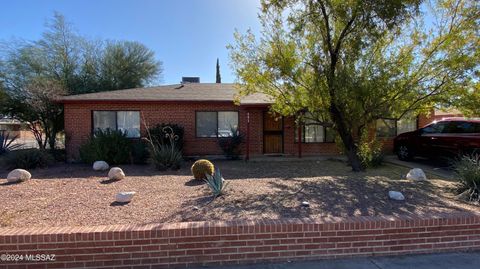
(468, 260)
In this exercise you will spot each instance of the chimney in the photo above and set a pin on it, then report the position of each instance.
(190, 80)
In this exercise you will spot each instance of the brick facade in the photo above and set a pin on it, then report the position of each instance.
(233, 242)
(78, 125)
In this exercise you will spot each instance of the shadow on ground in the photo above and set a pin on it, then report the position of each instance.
(331, 191)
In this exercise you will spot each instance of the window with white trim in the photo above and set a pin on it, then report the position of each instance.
(125, 121)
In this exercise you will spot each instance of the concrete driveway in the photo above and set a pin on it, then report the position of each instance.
(429, 166)
(468, 260)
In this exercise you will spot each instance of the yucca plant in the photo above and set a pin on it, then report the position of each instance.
(216, 183)
(6, 143)
(165, 155)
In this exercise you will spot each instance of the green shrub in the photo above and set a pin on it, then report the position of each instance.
(216, 183)
(166, 157)
(139, 152)
(370, 151)
(60, 155)
(201, 168)
(468, 171)
(231, 145)
(158, 136)
(164, 152)
(27, 159)
(111, 146)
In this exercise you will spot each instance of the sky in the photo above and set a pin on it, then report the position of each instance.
(186, 35)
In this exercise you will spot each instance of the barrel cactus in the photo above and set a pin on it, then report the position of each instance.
(201, 168)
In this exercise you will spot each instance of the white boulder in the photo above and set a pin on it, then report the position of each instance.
(18, 175)
(396, 195)
(416, 174)
(100, 166)
(116, 173)
(124, 196)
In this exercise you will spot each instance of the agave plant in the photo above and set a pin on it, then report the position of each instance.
(216, 183)
(6, 143)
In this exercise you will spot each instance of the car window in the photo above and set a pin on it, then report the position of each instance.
(476, 127)
(463, 127)
(435, 128)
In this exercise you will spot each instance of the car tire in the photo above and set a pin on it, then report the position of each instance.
(404, 153)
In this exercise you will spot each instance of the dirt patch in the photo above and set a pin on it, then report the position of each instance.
(76, 195)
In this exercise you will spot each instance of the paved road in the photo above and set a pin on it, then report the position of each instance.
(470, 260)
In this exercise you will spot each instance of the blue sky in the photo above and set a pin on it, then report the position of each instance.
(186, 35)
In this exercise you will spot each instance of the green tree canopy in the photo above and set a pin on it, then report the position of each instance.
(352, 62)
(34, 73)
(79, 64)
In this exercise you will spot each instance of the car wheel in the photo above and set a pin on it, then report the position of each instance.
(404, 153)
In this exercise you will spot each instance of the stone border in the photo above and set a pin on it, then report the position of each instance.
(172, 245)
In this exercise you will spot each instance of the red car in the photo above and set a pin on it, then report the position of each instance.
(445, 138)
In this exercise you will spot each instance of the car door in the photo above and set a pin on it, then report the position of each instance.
(430, 139)
(448, 143)
(467, 137)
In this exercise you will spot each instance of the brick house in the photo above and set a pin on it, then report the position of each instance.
(205, 110)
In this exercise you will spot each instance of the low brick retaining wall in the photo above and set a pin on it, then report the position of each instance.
(231, 242)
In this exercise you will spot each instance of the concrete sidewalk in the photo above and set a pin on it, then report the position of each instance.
(462, 260)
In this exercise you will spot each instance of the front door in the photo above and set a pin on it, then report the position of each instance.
(272, 134)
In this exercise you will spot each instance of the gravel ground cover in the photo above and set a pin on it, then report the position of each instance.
(71, 195)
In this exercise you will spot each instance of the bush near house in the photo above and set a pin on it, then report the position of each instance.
(370, 151)
(113, 147)
(165, 146)
(27, 159)
(231, 145)
(158, 136)
(468, 171)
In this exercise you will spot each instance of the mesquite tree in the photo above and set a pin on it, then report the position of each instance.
(352, 62)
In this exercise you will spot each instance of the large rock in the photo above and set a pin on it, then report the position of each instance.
(100, 166)
(116, 173)
(396, 195)
(124, 196)
(18, 175)
(416, 174)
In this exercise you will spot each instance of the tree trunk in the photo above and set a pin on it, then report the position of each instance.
(37, 134)
(347, 139)
(51, 141)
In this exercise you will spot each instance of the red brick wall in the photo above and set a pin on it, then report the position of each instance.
(291, 147)
(78, 126)
(78, 122)
(232, 242)
(427, 119)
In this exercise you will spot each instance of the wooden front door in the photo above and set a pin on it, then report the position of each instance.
(272, 134)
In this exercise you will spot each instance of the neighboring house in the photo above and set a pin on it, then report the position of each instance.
(205, 110)
(15, 128)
